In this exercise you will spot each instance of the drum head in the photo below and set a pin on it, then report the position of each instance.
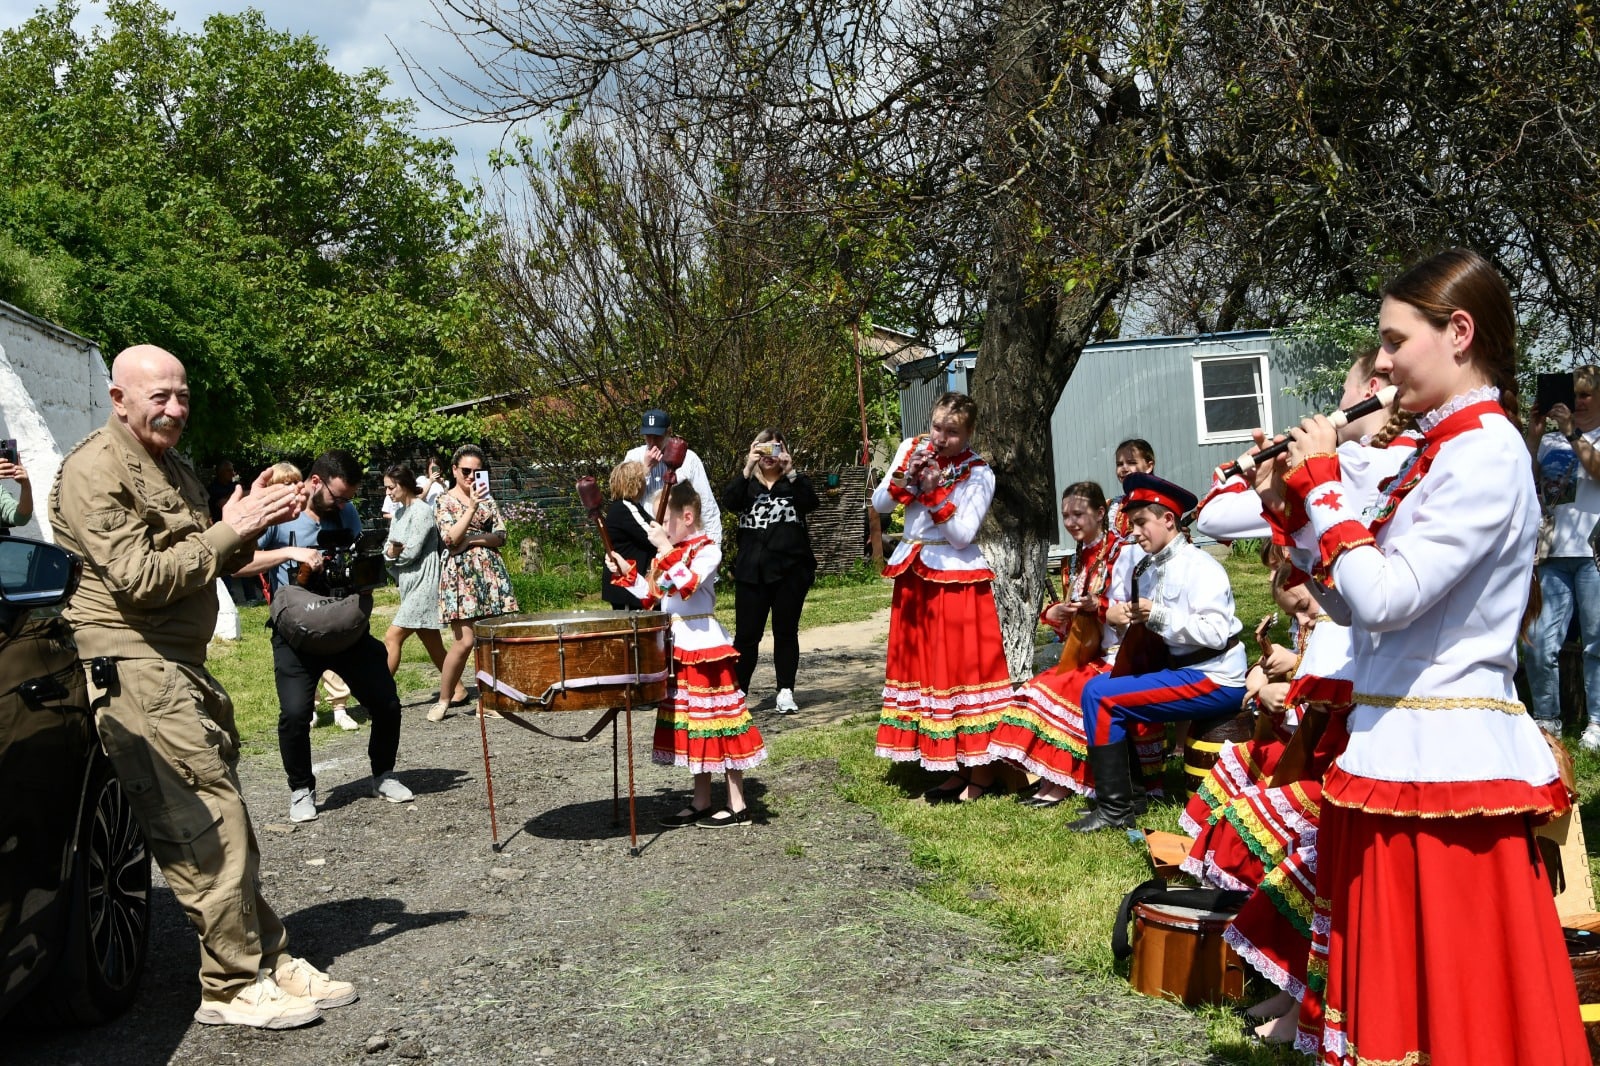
(1187, 917)
(550, 624)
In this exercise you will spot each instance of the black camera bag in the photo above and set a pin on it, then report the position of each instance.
(317, 625)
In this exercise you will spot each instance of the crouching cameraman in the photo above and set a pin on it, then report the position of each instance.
(319, 552)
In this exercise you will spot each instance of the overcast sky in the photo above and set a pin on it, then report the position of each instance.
(356, 33)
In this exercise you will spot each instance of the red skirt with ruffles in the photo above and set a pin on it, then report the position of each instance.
(1254, 833)
(1239, 769)
(704, 724)
(1272, 931)
(946, 681)
(1442, 943)
(1042, 731)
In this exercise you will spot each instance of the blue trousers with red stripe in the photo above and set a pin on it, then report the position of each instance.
(1110, 703)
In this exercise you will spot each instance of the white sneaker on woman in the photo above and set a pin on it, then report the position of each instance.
(1591, 736)
(786, 703)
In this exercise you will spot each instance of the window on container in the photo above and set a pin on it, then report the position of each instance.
(1231, 397)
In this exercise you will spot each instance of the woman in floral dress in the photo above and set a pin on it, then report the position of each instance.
(473, 582)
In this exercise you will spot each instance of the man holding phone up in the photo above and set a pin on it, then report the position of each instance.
(14, 510)
(1566, 463)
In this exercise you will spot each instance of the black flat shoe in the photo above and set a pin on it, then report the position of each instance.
(723, 818)
(944, 794)
(687, 817)
(1042, 804)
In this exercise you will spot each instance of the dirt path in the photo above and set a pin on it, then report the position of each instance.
(801, 939)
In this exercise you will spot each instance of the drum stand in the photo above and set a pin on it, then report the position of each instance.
(610, 716)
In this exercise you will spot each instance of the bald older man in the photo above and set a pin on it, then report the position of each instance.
(137, 513)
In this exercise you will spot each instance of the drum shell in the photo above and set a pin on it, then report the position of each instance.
(532, 652)
(1179, 954)
(1206, 740)
(1586, 972)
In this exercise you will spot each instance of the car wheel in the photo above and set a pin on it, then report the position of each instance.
(108, 941)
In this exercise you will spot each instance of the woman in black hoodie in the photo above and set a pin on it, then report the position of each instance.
(774, 568)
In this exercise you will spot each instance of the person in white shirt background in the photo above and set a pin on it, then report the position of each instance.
(654, 427)
(1566, 463)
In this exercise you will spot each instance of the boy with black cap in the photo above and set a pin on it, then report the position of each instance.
(654, 428)
(1188, 605)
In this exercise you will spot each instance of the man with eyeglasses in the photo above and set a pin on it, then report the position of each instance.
(333, 484)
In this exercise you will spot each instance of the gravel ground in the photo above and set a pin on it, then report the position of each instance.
(799, 939)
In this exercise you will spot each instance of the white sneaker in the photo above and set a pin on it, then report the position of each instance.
(260, 1004)
(786, 703)
(1551, 726)
(1591, 736)
(299, 978)
(342, 719)
(303, 805)
(387, 786)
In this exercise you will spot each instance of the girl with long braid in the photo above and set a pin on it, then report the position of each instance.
(1434, 907)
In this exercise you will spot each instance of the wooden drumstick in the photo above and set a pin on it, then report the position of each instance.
(673, 452)
(593, 502)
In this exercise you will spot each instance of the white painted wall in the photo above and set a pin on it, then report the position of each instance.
(52, 395)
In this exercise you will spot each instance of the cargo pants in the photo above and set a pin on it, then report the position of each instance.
(168, 729)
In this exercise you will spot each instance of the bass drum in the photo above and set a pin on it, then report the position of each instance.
(573, 660)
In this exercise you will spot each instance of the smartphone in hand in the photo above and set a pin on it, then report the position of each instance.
(480, 482)
(1555, 389)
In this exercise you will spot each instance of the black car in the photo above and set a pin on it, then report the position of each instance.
(74, 869)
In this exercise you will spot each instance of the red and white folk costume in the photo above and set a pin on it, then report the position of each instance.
(704, 725)
(946, 681)
(1441, 933)
(1255, 837)
(1042, 730)
(1232, 511)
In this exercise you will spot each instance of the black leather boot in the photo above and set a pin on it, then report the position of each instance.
(1113, 790)
(1141, 799)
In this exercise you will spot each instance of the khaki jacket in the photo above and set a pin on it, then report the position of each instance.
(151, 555)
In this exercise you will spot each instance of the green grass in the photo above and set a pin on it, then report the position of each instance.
(1046, 888)
(1252, 596)
(1049, 889)
(1586, 769)
(842, 598)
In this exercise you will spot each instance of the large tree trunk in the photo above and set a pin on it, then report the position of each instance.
(1031, 343)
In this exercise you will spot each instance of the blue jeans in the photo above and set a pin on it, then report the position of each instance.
(1564, 583)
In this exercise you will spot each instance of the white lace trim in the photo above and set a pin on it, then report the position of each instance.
(1264, 964)
(1456, 403)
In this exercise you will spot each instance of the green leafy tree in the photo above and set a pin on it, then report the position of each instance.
(634, 274)
(1049, 161)
(232, 197)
